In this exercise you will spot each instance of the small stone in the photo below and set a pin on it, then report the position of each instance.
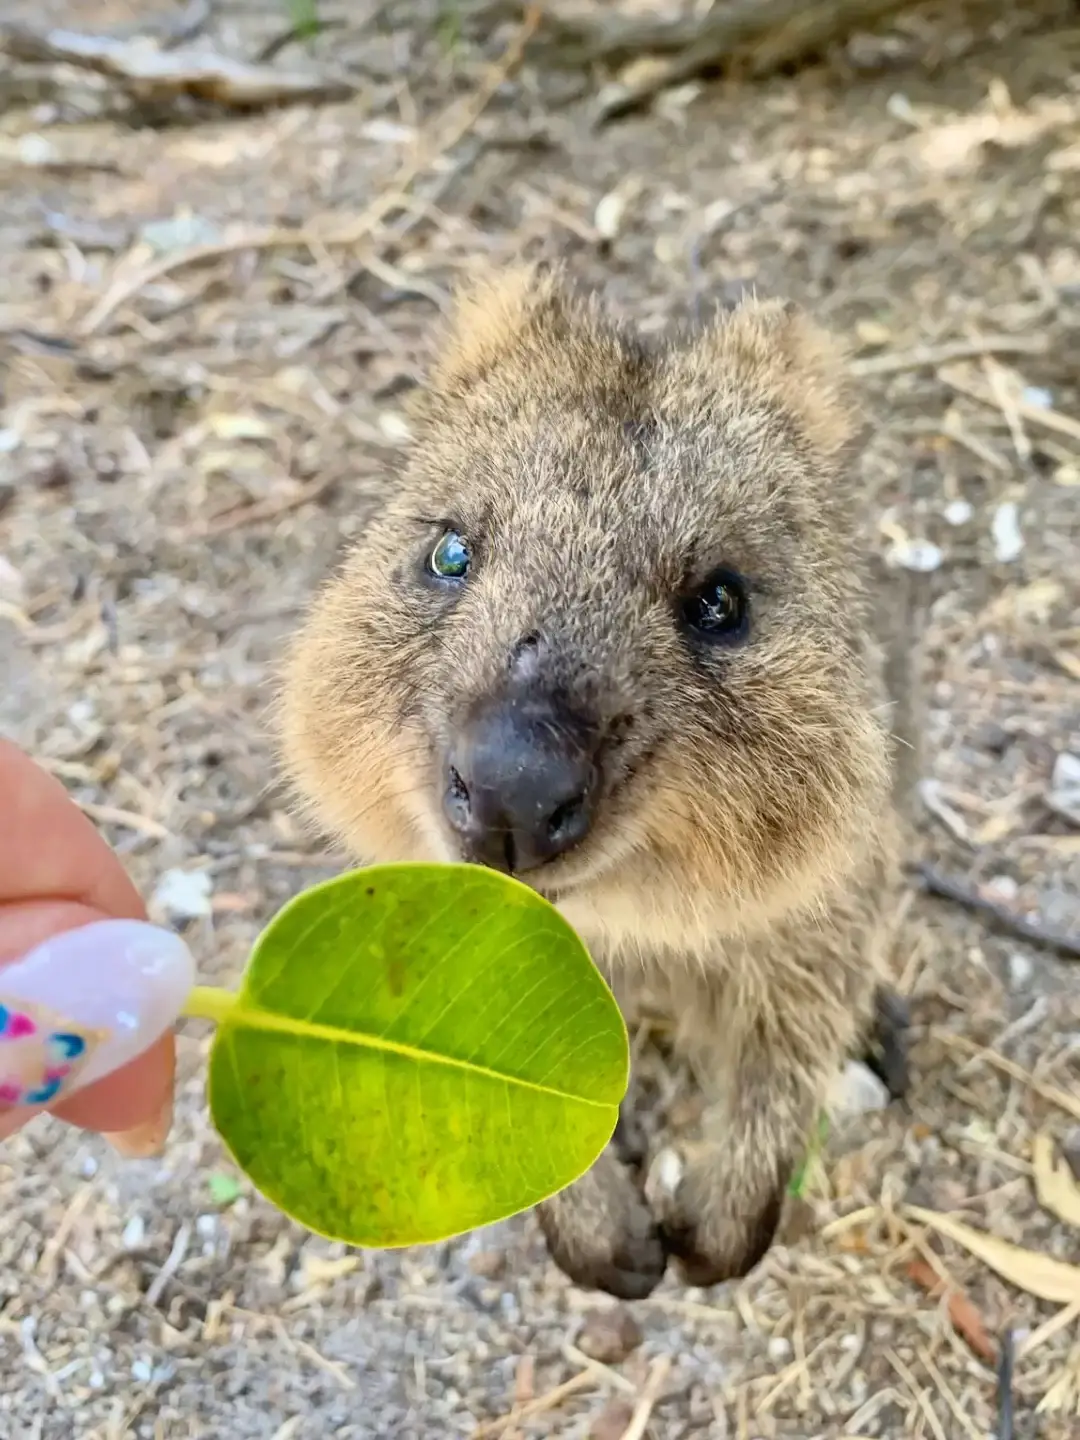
(183, 895)
(1066, 774)
(1020, 971)
(609, 1335)
(1005, 530)
(488, 1264)
(134, 1236)
(780, 1349)
(35, 150)
(958, 512)
(920, 556)
(609, 212)
(613, 1421)
(1038, 396)
(1064, 796)
(1002, 889)
(857, 1091)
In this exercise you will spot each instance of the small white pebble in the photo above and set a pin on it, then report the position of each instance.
(921, 556)
(1020, 971)
(206, 1226)
(1005, 530)
(856, 1091)
(959, 512)
(142, 1370)
(780, 1348)
(1066, 774)
(36, 150)
(183, 894)
(1038, 396)
(1002, 888)
(609, 212)
(134, 1236)
(95, 1380)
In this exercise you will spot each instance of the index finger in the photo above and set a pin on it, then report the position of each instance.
(48, 848)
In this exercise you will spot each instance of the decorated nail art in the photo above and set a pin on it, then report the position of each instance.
(42, 1053)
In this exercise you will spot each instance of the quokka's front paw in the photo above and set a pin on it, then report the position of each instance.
(705, 1221)
(885, 1050)
(601, 1234)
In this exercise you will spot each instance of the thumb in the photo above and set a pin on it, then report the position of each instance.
(87, 1003)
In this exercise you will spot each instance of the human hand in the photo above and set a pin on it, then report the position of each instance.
(89, 991)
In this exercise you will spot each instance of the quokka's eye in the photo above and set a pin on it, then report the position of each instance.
(718, 610)
(450, 558)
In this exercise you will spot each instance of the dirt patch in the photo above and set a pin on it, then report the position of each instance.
(190, 435)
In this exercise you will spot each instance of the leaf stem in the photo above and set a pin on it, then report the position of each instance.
(209, 1002)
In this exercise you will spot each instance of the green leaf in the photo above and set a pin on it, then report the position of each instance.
(415, 1051)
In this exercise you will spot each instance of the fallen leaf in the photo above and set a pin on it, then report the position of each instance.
(224, 1189)
(1058, 1192)
(965, 1319)
(1027, 1269)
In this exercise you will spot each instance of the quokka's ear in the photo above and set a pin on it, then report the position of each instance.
(522, 307)
(775, 348)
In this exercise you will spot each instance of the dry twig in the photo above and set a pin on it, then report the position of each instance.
(166, 74)
(658, 1373)
(755, 37)
(946, 888)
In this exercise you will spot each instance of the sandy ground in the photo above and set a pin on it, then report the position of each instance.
(185, 445)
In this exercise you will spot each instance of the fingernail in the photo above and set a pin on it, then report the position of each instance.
(84, 1003)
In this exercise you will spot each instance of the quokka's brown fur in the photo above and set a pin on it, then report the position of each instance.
(744, 844)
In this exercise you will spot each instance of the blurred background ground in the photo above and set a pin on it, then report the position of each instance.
(209, 318)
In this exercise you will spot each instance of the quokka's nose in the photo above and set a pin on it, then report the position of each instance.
(521, 782)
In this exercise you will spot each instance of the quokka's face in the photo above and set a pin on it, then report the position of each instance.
(611, 614)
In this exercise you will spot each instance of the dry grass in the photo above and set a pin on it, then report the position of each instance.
(186, 440)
